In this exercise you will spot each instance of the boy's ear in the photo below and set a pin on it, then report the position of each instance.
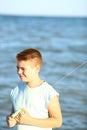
(37, 67)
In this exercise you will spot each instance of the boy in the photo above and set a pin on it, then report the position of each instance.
(38, 101)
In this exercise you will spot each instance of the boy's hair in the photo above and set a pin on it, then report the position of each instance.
(30, 54)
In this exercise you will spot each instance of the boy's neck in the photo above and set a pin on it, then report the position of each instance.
(35, 83)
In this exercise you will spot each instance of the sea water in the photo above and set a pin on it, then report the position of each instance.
(63, 44)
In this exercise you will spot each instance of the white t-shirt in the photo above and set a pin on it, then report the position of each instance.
(35, 100)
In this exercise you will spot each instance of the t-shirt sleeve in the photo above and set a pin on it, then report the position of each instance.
(13, 95)
(51, 92)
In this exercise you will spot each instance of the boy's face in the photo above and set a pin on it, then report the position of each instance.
(26, 70)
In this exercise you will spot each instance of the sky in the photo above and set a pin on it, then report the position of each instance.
(44, 7)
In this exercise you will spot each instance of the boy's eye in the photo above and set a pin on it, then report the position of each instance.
(20, 68)
(17, 67)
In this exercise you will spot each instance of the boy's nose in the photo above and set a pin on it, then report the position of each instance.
(19, 71)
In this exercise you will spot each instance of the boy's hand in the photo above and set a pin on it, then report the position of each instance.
(23, 117)
(11, 121)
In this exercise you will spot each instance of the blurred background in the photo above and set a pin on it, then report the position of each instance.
(58, 29)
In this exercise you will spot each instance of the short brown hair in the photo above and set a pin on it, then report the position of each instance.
(30, 54)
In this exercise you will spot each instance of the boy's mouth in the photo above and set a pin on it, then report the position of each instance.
(21, 76)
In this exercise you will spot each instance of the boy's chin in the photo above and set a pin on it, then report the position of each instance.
(23, 80)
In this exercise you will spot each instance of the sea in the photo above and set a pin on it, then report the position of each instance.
(62, 42)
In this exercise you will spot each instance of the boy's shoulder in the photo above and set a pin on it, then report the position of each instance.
(50, 89)
(18, 88)
(48, 86)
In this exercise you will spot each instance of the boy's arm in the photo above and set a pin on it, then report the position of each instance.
(55, 119)
(11, 121)
(12, 110)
